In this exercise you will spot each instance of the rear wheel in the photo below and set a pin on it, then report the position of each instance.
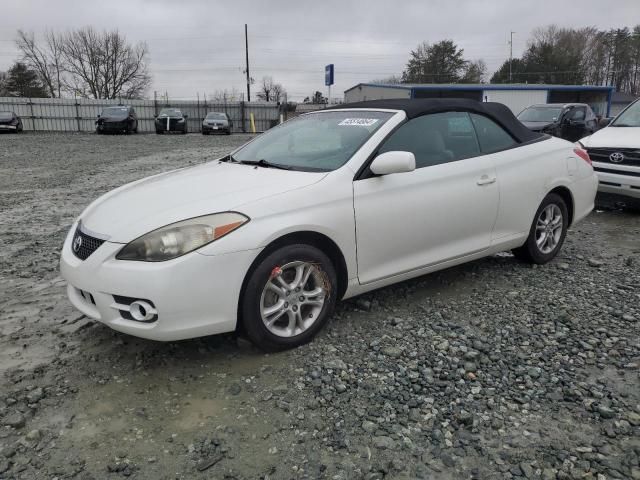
(547, 232)
(288, 298)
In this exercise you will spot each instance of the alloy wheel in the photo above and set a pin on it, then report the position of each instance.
(293, 298)
(549, 228)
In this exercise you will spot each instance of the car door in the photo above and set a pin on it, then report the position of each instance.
(574, 124)
(444, 209)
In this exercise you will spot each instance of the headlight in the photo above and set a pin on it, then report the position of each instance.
(182, 237)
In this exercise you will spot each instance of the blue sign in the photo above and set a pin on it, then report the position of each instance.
(328, 74)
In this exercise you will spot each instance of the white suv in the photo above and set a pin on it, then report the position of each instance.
(615, 153)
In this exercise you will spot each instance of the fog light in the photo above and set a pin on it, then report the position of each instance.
(142, 311)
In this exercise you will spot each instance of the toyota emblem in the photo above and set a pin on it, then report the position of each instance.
(77, 243)
(616, 157)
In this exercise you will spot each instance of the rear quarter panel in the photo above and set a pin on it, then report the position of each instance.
(525, 175)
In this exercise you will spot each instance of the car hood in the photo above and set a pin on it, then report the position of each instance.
(137, 208)
(537, 126)
(614, 137)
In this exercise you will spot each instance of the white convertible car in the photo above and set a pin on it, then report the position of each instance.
(324, 207)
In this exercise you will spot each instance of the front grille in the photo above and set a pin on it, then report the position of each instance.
(617, 172)
(84, 245)
(631, 155)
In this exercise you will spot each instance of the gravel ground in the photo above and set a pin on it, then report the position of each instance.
(494, 369)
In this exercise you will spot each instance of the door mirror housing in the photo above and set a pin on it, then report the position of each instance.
(393, 162)
(604, 122)
(186, 116)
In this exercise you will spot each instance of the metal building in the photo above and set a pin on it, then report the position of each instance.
(515, 96)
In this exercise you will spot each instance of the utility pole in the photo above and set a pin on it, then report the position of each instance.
(510, 55)
(246, 48)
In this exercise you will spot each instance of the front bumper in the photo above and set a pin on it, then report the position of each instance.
(215, 129)
(112, 126)
(194, 295)
(626, 183)
(8, 127)
(173, 126)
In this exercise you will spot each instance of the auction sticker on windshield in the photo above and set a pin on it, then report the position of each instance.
(361, 122)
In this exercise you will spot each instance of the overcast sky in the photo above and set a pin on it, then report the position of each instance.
(197, 46)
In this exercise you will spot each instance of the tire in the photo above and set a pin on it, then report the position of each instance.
(542, 248)
(297, 311)
(159, 132)
(228, 132)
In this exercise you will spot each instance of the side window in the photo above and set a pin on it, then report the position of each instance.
(435, 139)
(491, 136)
(578, 113)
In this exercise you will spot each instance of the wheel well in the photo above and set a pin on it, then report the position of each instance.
(565, 193)
(315, 239)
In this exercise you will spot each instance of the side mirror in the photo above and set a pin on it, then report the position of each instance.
(604, 122)
(98, 115)
(393, 162)
(186, 116)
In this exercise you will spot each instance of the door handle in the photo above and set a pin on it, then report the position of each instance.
(486, 180)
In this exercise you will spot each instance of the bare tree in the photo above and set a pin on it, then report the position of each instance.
(104, 65)
(266, 89)
(46, 59)
(271, 91)
(225, 96)
(278, 93)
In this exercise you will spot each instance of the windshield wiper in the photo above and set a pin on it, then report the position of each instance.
(265, 163)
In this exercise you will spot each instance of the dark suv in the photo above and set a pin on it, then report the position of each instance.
(117, 119)
(571, 121)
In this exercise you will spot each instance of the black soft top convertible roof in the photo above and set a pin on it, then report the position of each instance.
(416, 107)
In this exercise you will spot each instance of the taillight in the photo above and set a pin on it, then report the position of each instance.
(583, 154)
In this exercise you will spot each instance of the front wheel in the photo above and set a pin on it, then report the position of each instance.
(288, 298)
(547, 232)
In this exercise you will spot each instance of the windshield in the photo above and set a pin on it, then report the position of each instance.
(629, 118)
(216, 116)
(6, 115)
(540, 114)
(315, 142)
(170, 112)
(115, 111)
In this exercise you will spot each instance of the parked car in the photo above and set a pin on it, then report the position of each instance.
(615, 151)
(216, 122)
(266, 237)
(10, 122)
(570, 121)
(118, 119)
(171, 120)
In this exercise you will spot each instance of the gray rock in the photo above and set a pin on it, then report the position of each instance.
(595, 263)
(234, 389)
(15, 420)
(384, 443)
(35, 395)
(369, 426)
(605, 412)
(335, 364)
(534, 372)
(393, 352)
